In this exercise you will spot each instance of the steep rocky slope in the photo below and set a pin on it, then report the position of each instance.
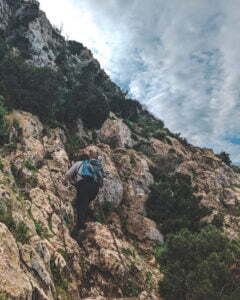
(39, 258)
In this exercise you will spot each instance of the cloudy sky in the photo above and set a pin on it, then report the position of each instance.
(179, 57)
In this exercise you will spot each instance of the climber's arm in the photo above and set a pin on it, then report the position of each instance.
(72, 171)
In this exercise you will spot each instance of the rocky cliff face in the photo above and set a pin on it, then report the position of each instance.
(39, 258)
(34, 192)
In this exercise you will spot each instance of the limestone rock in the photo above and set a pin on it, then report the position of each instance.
(143, 228)
(34, 188)
(20, 287)
(33, 261)
(115, 131)
(27, 124)
(134, 172)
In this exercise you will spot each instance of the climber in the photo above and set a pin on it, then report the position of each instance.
(87, 176)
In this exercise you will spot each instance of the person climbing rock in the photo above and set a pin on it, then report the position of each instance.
(87, 176)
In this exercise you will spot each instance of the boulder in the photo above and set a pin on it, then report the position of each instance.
(116, 133)
(143, 228)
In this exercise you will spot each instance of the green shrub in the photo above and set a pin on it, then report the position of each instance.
(19, 230)
(75, 47)
(3, 48)
(68, 218)
(225, 157)
(30, 165)
(33, 181)
(145, 148)
(173, 205)
(112, 142)
(88, 103)
(21, 233)
(127, 109)
(65, 255)
(73, 145)
(150, 126)
(165, 164)
(3, 127)
(158, 250)
(134, 136)
(132, 282)
(149, 280)
(218, 220)
(1, 166)
(30, 88)
(16, 173)
(127, 252)
(7, 219)
(200, 266)
(4, 296)
(131, 288)
(160, 134)
(39, 228)
(58, 278)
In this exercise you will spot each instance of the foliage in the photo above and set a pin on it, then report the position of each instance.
(145, 124)
(131, 288)
(200, 266)
(16, 173)
(89, 104)
(1, 166)
(145, 148)
(149, 281)
(40, 229)
(126, 108)
(3, 127)
(173, 205)
(19, 179)
(73, 144)
(225, 157)
(150, 126)
(7, 219)
(131, 285)
(55, 96)
(65, 255)
(112, 142)
(30, 88)
(3, 48)
(33, 181)
(158, 250)
(58, 278)
(75, 47)
(29, 164)
(4, 296)
(21, 233)
(19, 230)
(68, 219)
(127, 252)
(160, 134)
(218, 220)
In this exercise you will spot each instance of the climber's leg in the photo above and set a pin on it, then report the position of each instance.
(86, 192)
(82, 204)
(94, 189)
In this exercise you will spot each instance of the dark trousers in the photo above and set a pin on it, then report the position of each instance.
(87, 190)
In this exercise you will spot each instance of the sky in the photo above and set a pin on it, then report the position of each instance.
(181, 58)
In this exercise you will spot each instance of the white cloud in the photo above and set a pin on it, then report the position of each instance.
(178, 57)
